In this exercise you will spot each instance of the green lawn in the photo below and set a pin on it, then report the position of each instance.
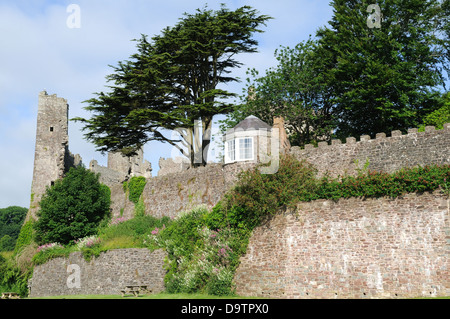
(150, 296)
(173, 296)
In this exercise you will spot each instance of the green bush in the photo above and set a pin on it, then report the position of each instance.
(73, 208)
(44, 255)
(200, 259)
(376, 184)
(25, 236)
(257, 196)
(440, 116)
(7, 243)
(135, 188)
(12, 279)
(11, 220)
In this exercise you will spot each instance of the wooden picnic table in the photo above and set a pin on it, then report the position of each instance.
(135, 290)
(10, 295)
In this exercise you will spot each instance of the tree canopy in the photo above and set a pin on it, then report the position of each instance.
(11, 220)
(388, 77)
(295, 90)
(370, 70)
(172, 83)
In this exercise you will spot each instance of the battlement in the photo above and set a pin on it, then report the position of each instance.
(383, 153)
(379, 136)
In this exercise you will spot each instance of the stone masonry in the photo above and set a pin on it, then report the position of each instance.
(52, 157)
(351, 248)
(385, 154)
(172, 194)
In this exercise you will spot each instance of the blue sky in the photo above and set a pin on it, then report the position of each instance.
(39, 51)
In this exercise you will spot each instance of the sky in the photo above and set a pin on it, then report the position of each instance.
(46, 45)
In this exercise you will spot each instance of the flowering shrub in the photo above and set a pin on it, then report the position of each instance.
(48, 251)
(87, 242)
(49, 246)
(209, 268)
(118, 220)
(377, 184)
(200, 259)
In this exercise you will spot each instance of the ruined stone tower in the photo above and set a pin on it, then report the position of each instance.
(51, 157)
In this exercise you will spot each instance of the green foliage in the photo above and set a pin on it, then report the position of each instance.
(12, 279)
(440, 116)
(11, 220)
(376, 184)
(7, 243)
(295, 90)
(139, 209)
(135, 188)
(200, 259)
(132, 231)
(257, 196)
(25, 236)
(383, 79)
(73, 208)
(41, 257)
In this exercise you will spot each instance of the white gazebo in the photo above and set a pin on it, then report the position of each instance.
(249, 141)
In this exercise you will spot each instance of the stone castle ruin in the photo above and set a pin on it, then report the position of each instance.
(350, 248)
(52, 158)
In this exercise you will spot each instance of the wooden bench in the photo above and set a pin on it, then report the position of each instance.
(10, 295)
(135, 290)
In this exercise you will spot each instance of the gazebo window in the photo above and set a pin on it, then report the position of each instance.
(241, 141)
(231, 150)
(243, 151)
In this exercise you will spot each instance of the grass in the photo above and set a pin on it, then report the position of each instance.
(180, 296)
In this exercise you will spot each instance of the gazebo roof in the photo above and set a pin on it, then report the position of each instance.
(250, 123)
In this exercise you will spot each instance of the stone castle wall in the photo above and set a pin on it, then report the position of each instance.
(171, 194)
(352, 248)
(178, 189)
(104, 275)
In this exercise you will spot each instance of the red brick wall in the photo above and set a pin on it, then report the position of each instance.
(352, 248)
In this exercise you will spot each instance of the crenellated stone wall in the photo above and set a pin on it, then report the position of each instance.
(385, 154)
